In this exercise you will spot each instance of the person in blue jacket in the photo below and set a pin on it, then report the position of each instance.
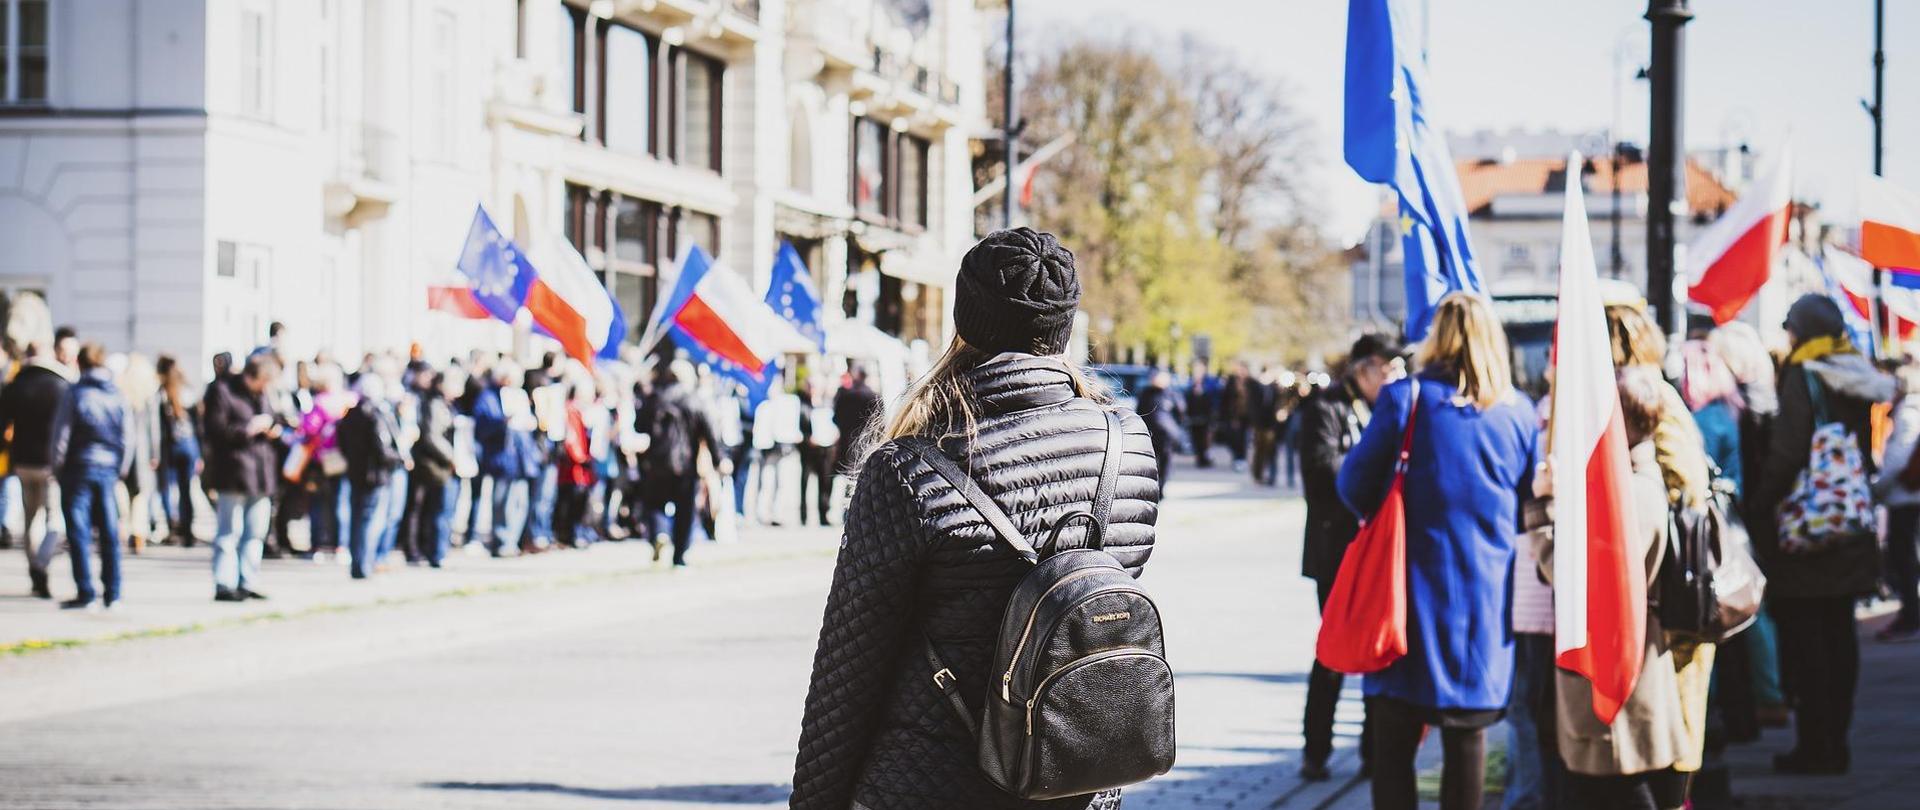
(1470, 470)
(89, 456)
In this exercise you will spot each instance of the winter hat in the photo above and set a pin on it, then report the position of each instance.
(1017, 292)
(1813, 316)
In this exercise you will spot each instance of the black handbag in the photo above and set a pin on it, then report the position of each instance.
(1083, 698)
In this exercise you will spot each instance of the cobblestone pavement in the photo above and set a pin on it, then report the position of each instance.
(597, 682)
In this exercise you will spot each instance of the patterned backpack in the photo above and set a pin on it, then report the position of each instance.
(1831, 503)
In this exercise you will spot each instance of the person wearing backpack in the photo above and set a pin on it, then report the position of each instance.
(1815, 572)
(1473, 450)
(925, 693)
(678, 425)
(368, 435)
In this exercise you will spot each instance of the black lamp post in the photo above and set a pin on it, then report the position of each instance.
(1665, 154)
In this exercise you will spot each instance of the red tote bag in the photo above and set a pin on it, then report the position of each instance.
(1364, 625)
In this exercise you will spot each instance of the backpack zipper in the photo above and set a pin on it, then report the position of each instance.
(1120, 652)
(1006, 679)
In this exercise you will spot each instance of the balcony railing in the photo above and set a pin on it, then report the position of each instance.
(919, 78)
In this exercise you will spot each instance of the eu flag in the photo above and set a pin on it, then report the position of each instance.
(790, 293)
(496, 270)
(1389, 139)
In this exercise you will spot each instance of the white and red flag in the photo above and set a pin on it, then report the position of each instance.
(1600, 584)
(1732, 259)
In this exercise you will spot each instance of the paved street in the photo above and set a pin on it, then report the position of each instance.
(597, 680)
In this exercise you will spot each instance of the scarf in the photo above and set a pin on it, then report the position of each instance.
(1823, 346)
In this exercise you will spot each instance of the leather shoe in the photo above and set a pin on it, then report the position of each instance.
(78, 604)
(228, 595)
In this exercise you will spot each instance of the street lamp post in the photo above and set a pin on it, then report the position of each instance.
(1878, 111)
(1664, 154)
(1010, 107)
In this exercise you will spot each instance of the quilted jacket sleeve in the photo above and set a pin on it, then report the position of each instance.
(869, 614)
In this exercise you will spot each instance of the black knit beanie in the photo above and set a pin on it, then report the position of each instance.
(1017, 292)
(1813, 316)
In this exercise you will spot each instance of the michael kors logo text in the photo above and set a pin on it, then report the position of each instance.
(1103, 618)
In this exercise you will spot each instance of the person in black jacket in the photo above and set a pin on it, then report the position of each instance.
(242, 472)
(1165, 413)
(27, 408)
(917, 567)
(1811, 594)
(677, 425)
(855, 406)
(423, 524)
(369, 437)
(1326, 425)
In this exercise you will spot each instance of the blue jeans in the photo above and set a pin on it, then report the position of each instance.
(1535, 776)
(545, 495)
(443, 522)
(327, 514)
(367, 511)
(93, 518)
(509, 513)
(239, 536)
(176, 490)
(395, 500)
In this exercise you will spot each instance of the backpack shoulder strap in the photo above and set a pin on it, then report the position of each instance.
(1109, 471)
(996, 518)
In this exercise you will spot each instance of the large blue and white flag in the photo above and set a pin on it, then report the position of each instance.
(1390, 139)
(497, 271)
(790, 293)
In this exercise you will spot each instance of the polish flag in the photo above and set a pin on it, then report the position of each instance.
(569, 304)
(714, 315)
(1600, 584)
(1733, 258)
(1890, 230)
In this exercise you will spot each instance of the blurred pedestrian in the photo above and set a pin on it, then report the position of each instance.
(1263, 421)
(1811, 590)
(89, 455)
(179, 450)
(679, 426)
(1203, 404)
(1898, 489)
(819, 438)
(1633, 761)
(1165, 413)
(1739, 346)
(241, 470)
(576, 474)
(369, 438)
(1328, 425)
(776, 436)
(1473, 455)
(423, 521)
(503, 425)
(139, 388)
(855, 407)
(325, 467)
(28, 406)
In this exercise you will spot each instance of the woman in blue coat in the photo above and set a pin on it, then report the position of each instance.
(1471, 467)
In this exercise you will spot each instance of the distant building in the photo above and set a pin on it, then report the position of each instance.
(1515, 196)
(225, 163)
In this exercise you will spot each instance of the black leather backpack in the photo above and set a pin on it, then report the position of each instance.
(1084, 697)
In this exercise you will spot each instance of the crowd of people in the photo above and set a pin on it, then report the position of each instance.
(397, 459)
(1721, 414)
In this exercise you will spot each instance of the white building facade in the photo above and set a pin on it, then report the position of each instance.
(227, 163)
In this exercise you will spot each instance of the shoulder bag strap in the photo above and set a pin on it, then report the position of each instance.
(1002, 525)
(1406, 437)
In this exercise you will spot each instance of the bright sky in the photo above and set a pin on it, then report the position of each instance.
(1759, 71)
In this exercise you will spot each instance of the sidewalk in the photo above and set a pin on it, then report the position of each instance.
(169, 590)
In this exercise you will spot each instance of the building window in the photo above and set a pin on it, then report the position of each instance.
(570, 29)
(225, 264)
(256, 77)
(703, 229)
(635, 231)
(23, 51)
(870, 168)
(627, 91)
(696, 118)
(889, 183)
(913, 181)
(440, 127)
(1517, 252)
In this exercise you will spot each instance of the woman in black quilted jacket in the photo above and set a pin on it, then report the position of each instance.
(918, 566)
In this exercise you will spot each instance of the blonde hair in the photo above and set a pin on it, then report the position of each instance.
(1636, 339)
(1467, 342)
(1739, 344)
(941, 405)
